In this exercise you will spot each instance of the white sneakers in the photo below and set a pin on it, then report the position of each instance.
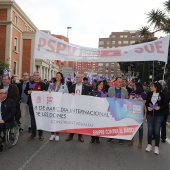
(149, 148)
(156, 150)
(54, 137)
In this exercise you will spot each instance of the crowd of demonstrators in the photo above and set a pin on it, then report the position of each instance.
(57, 86)
(156, 98)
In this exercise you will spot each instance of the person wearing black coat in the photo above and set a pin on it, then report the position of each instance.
(79, 89)
(156, 103)
(163, 127)
(35, 85)
(98, 92)
(7, 112)
(12, 93)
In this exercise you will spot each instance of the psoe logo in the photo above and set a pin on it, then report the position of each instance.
(38, 100)
(137, 109)
(125, 107)
(49, 100)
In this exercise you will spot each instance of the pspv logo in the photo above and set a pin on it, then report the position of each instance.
(49, 100)
(38, 100)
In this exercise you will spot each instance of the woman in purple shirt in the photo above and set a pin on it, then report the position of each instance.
(138, 94)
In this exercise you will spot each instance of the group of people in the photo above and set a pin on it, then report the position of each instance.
(155, 112)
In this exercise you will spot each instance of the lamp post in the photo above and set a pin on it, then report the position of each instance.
(68, 40)
(68, 30)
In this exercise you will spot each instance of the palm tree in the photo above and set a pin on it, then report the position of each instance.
(159, 18)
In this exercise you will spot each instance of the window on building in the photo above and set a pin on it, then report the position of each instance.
(100, 69)
(107, 69)
(16, 20)
(132, 42)
(112, 64)
(125, 36)
(101, 42)
(16, 44)
(15, 68)
(113, 36)
(107, 42)
(113, 42)
(100, 64)
(112, 70)
(117, 64)
(119, 42)
(125, 42)
(107, 64)
(121, 36)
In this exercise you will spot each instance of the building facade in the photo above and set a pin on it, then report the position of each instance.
(117, 39)
(17, 35)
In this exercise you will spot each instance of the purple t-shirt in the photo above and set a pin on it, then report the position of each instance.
(137, 96)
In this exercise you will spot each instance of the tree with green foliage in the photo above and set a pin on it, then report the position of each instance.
(3, 65)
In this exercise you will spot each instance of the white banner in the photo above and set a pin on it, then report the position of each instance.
(49, 47)
(104, 117)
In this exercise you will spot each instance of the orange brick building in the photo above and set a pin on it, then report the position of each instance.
(17, 34)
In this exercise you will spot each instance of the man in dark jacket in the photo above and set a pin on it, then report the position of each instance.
(78, 89)
(7, 111)
(166, 111)
(35, 85)
(12, 93)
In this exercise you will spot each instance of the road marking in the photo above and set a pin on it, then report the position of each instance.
(168, 140)
(29, 160)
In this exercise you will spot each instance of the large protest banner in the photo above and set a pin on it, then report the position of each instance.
(104, 117)
(49, 47)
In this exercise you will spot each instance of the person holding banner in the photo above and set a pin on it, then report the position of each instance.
(117, 92)
(57, 86)
(78, 89)
(35, 85)
(156, 103)
(138, 94)
(98, 93)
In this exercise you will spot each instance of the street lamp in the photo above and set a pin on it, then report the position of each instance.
(68, 30)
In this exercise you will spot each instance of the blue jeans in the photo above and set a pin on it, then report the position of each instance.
(154, 125)
(33, 123)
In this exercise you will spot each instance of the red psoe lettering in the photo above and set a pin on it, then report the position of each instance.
(50, 45)
(41, 43)
(158, 46)
(139, 50)
(71, 50)
(149, 50)
(60, 47)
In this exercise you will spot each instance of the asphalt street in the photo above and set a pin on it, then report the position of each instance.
(73, 155)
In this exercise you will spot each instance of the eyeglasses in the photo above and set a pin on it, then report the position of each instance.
(24, 75)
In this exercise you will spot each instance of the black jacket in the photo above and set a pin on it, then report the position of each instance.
(161, 102)
(13, 93)
(8, 109)
(85, 89)
(43, 87)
